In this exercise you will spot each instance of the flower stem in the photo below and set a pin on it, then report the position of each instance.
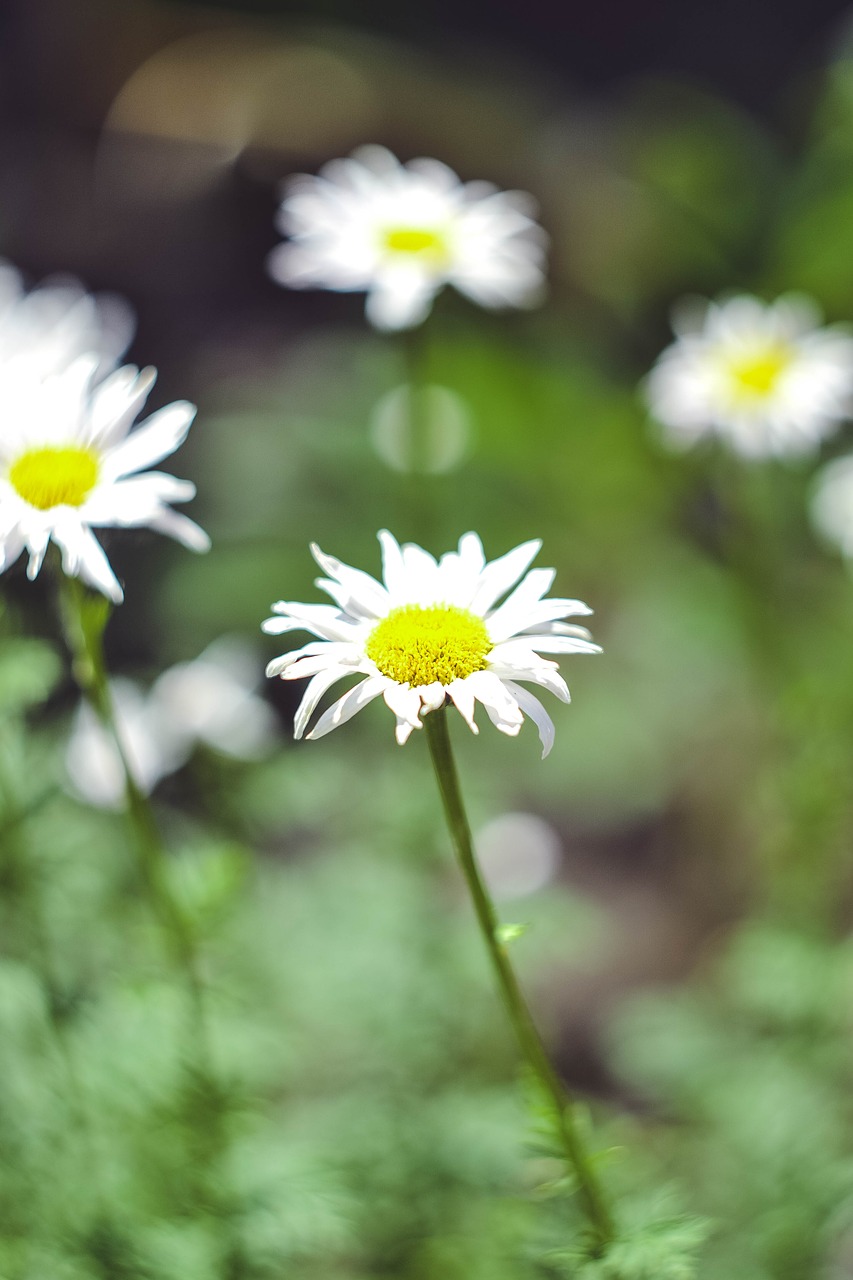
(85, 617)
(590, 1192)
(84, 620)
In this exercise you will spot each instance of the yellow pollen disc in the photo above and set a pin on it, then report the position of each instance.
(756, 375)
(418, 645)
(53, 477)
(415, 240)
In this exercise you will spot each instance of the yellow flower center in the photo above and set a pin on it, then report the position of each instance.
(55, 476)
(419, 645)
(422, 241)
(756, 375)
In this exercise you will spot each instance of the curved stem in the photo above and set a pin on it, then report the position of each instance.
(84, 618)
(84, 622)
(590, 1192)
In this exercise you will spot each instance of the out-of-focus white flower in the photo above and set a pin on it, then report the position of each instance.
(48, 328)
(211, 700)
(832, 504)
(432, 631)
(518, 853)
(69, 463)
(401, 232)
(151, 746)
(765, 378)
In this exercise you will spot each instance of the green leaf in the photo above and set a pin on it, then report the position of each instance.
(29, 671)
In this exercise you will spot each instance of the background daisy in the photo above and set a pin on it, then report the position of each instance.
(766, 379)
(402, 232)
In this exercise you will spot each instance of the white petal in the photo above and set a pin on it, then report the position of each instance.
(181, 528)
(500, 706)
(11, 546)
(314, 691)
(37, 540)
(84, 557)
(544, 674)
(347, 706)
(124, 503)
(500, 574)
(404, 730)
(322, 619)
(161, 434)
(432, 696)
(393, 568)
(400, 299)
(369, 594)
(532, 707)
(550, 644)
(116, 402)
(463, 698)
(519, 604)
(404, 702)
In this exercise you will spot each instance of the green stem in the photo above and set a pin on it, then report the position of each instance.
(84, 628)
(590, 1192)
(84, 619)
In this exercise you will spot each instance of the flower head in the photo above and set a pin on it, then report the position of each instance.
(45, 330)
(401, 232)
(766, 379)
(69, 463)
(432, 631)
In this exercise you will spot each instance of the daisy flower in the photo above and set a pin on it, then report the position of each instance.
(401, 232)
(432, 631)
(767, 379)
(69, 463)
(48, 328)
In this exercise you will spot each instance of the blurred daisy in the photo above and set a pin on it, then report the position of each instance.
(766, 379)
(832, 504)
(211, 700)
(48, 328)
(70, 463)
(401, 232)
(432, 631)
(151, 746)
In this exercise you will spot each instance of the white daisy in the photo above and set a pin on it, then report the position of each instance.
(48, 328)
(70, 463)
(765, 378)
(432, 631)
(213, 700)
(153, 747)
(401, 232)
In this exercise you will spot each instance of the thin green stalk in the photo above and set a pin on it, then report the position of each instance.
(415, 511)
(84, 626)
(84, 619)
(590, 1191)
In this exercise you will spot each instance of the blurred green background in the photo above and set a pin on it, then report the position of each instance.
(688, 955)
